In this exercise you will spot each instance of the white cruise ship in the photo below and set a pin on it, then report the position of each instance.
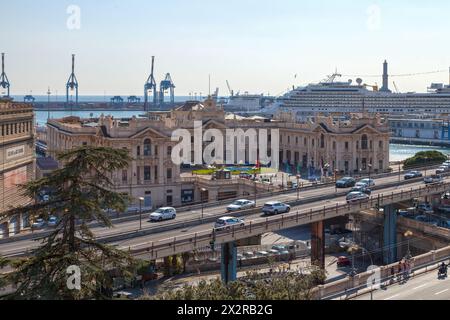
(343, 97)
(248, 103)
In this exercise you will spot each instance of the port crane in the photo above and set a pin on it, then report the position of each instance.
(72, 83)
(150, 86)
(4, 82)
(167, 84)
(229, 89)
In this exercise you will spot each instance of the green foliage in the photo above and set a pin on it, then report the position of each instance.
(81, 193)
(425, 158)
(289, 286)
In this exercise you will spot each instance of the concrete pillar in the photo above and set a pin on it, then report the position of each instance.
(318, 244)
(228, 262)
(390, 235)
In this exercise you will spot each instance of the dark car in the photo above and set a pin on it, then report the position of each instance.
(346, 182)
(362, 189)
(413, 175)
(343, 262)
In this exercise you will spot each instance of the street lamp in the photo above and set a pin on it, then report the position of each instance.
(202, 190)
(370, 169)
(141, 199)
(354, 248)
(407, 235)
(298, 186)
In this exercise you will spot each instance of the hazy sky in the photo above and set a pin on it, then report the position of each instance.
(258, 45)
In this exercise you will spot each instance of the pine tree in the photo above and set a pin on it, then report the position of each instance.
(80, 193)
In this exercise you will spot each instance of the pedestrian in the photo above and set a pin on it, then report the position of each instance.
(392, 280)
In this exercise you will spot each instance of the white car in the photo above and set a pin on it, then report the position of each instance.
(354, 197)
(53, 221)
(242, 204)
(369, 182)
(165, 213)
(275, 207)
(228, 222)
(442, 169)
(39, 223)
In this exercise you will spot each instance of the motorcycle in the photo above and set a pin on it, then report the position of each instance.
(442, 273)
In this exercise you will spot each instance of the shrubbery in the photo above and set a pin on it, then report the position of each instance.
(425, 158)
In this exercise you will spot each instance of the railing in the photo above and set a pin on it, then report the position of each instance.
(189, 242)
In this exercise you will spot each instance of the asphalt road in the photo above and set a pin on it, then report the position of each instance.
(133, 225)
(423, 287)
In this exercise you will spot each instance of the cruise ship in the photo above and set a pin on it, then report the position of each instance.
(249, 103)
(331, 96)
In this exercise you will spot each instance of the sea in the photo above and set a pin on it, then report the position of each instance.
(398, 152)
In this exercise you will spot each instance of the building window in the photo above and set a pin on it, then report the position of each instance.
(334, 145)
(305, 141)
(357, 145)
(364, 142)
(380, 144)
(380, 164)
(346, 145)
(156, 172)
(147, 147)
(124, 176)
(138, 151)
(169, 151)
(156, 150)
(371, 144)
(169, 173)
(417, 133)
(169, 200)
(147, 173)
(322, 141)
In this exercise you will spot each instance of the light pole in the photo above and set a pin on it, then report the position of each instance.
(370, 169)
(354, 248)
(408, 234)
(141, 199)
(202, 190)
(298, 186)
(335, 180)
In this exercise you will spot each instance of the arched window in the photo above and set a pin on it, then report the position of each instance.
(147, 147)
(138, 150)
(169, 151)
(364, 142)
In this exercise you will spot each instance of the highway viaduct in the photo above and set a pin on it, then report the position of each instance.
(228, 238)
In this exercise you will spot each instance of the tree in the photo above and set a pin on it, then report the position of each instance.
(81, 192)
(255, 286)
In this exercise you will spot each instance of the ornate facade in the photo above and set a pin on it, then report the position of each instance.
(344, 146)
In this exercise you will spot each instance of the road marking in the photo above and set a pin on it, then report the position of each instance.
(440, 292)
(392, 297)
(423, 285)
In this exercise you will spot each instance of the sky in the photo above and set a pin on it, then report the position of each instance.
(257, 45)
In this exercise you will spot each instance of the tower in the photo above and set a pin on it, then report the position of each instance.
(4, 82)
(385, 87)
(72, 83)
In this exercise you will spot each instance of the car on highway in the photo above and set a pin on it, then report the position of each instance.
(442, 169)
(53, 221)
(39, 223)
(242, 204)
(434, 179)
(261, 254)
(425, 208)
(413, 174)
(369, 182)
(165, 213)
(426, 219)
(228, 222)
(444, 224)
(245, 175)
(275, 207)
(346, 182)
(355, 197)
(363, 189)
(248, 255)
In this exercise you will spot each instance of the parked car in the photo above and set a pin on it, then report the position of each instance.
(406, 213)
(363, 189)
(343, 262)
(275, 207)
(425, 208)
(274, 252)
(39, 223)
(279, 247)
(413, 175)
(368, 182)
(444, 224)
(228, 222)
(248, 255)
(53, 221)
(346, 182)
(433, 179)
(262, 254)
(165, 213)
(245, 175)
(242, 204)
(442, 169)
(354, 197)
